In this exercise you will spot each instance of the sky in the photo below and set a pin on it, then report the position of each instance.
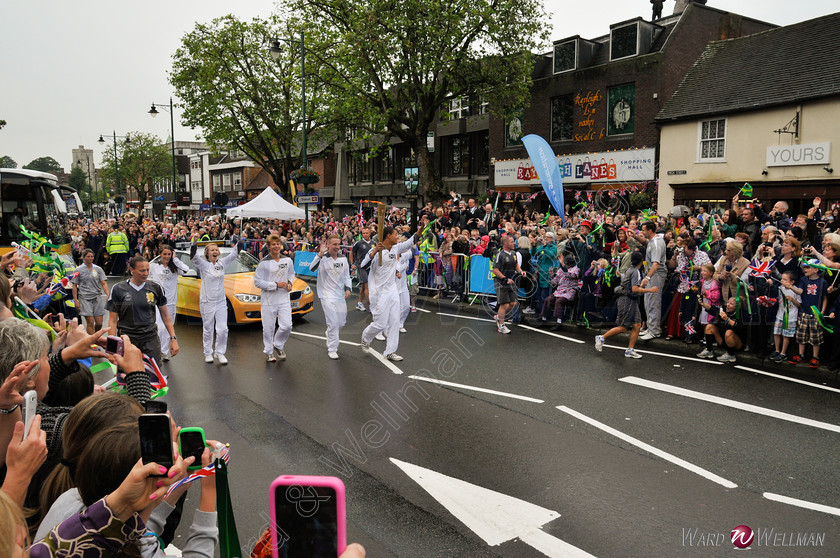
(74, 70)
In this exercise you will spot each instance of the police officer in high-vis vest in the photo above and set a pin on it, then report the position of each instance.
(117, 248)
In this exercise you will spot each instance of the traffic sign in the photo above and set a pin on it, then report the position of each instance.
(307, 199)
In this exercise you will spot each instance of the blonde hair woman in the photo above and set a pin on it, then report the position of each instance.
(731, 268)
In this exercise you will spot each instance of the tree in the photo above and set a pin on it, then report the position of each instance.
(44, 164)
(388, 66)
(143, 162)
(78, 180)
(7, 162)
(231, 88)
(2, 123)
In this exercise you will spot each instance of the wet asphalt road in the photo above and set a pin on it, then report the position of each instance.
(312, 415)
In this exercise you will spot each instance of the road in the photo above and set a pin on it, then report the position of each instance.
(568, 452)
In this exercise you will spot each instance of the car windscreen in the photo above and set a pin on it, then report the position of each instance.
(243, 263)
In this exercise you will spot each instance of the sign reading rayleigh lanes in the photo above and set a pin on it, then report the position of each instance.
(634, 165)
(792, 155)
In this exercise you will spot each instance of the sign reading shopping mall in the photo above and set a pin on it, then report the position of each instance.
(633, 165)
(807, 154)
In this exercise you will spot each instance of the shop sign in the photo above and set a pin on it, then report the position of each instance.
(635, 165)
(793, 155)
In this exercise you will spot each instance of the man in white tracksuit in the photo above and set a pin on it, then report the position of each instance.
(212, 301)
(274, 277)
(165, 273)
(384, 295)
(334, 287)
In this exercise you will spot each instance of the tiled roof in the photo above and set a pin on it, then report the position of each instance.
(776, 67)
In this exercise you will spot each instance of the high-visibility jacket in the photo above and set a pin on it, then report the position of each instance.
(117, 243)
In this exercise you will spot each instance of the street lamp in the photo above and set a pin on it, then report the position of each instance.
(116, 163)
(275, 51)
(154, 112)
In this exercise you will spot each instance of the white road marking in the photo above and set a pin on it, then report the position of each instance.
(473, 388)
(466, 317)
(572, 339)
(324, 338)
(667, 355)
(730, 403)
(493, 516)
(650, 449)
(422, 310)
(789, 379)
(388, 364)
(801, 503)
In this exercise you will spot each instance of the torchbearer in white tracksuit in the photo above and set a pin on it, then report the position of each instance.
(384, 295)
(334, 287)
(274, 277)
(212, 301)
(165, 273)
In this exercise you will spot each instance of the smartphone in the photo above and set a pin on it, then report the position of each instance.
(114, 345)
(30, 402)
(308, 517)
(191, 442)
(156, 439)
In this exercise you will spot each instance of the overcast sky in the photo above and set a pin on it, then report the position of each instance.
(74, 70)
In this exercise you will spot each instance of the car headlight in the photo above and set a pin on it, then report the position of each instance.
(247, 297)
(307, 290)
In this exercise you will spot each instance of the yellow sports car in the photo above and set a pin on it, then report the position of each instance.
(242, 296)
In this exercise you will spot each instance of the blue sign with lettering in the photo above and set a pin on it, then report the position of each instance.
(302, 261)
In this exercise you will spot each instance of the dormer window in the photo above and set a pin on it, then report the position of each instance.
(565, 56)
(624, 41)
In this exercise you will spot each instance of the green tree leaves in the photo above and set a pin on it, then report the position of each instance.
(7, 162)
(143, 163)
(44, 164)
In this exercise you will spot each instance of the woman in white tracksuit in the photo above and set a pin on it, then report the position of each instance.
(165, 273)
(212, 300)
(334, 287)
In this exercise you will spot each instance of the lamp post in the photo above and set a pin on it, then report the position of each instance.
(154, 112)
(116, 161)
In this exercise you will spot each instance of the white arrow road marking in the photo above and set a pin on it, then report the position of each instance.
(473, 388)
(324, 338)
(572, 339)
(650, 449)
(730, 403)
(788, 379)
(801, 503)
(493, 516)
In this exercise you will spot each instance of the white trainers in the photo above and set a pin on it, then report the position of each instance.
(599, 343)
(726, 357)
(403, 330)
(380, 336)
(706, 353)
(528, 311)
(504, 329)
(631, 353)
(222, 359)
(360, 307)
(647, 336)
(365, 346)
(165, 357)
(394, 356)
(208, 359)
(333, 355)
(270, 358)
(281, 354)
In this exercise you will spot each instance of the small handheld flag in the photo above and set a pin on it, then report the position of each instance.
(747, 190)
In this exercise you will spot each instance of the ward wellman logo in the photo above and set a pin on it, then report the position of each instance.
(742, 536)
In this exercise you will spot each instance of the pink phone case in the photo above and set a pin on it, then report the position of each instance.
(302, 480)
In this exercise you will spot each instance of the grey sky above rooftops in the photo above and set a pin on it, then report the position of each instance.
(75, 70)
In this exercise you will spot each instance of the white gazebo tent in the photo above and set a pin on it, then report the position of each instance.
(268, 205)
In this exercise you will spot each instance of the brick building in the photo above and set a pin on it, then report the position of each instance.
(595, 101)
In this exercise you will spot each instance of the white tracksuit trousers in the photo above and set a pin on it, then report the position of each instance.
(165, 340)
(335, 311)
(214, 315)
(386, 317)
(277, 326)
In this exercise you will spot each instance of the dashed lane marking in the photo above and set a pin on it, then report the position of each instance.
(473, 388)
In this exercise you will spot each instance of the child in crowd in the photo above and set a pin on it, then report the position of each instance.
(566, 291)
(808, 332)
(629, 316)
(709, 303)
(786, 316)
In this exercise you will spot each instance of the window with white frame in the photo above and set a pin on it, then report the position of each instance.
(217, 183)
(713, 140)
(624, 41)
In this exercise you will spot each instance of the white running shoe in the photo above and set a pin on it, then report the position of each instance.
(706, 353)
(281, 354)
(360, 307)
(394, 357)
(403, 330)
(528, 311)
(380, 336)
(208, 359)
(270, 358)
(599, 343)
(165, 357)
(504, 329)
(333, 355)
(222, 359)
(726, 357)
(365, 346)
(631, 353)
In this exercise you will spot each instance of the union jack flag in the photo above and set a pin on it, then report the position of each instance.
(761, 270)
(689, 328)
